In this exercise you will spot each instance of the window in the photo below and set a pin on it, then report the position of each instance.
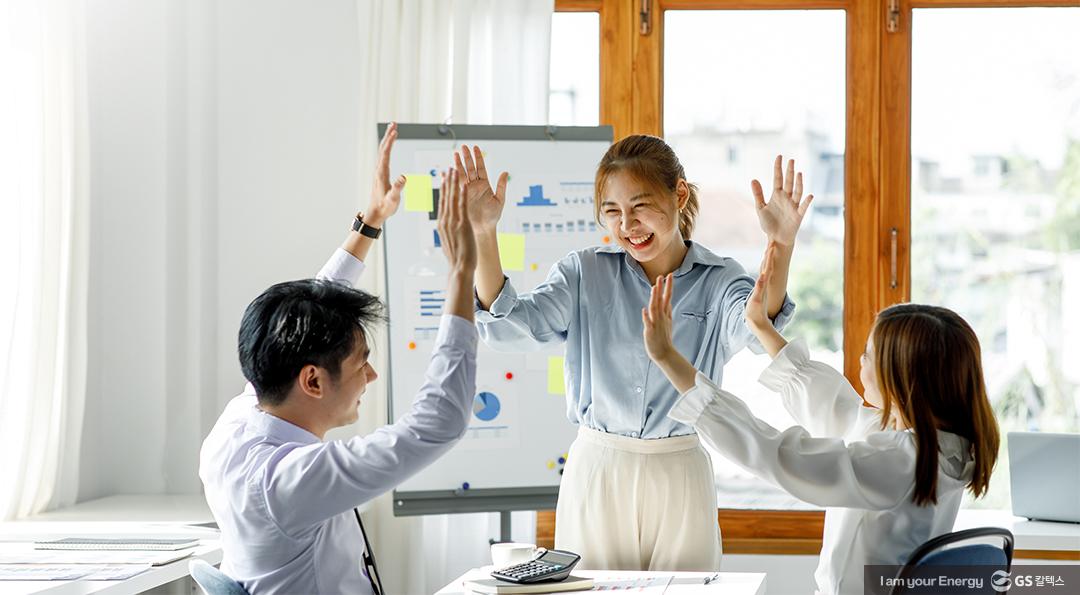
(995, 211)
(574, 96)
(741, 87)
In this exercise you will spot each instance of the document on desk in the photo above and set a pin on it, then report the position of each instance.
(648, 585)
(99, 557)
(70, 572)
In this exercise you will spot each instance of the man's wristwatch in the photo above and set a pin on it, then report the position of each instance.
(364, 229)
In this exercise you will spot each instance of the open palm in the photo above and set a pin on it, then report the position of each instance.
(385, 196)
(656, 319)
(781, 217)
(485, 204)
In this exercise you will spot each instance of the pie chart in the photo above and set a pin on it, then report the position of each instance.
(486, 406)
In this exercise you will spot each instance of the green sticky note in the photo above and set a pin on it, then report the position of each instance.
(512, 251)
(556, 381)
(418, 194)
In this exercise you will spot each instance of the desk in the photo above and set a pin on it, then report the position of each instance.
(117, 515)
(729, 583)
(1034, 540)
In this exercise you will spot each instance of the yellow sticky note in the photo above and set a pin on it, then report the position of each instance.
(418, 193)
(512, 251)
(556, 382)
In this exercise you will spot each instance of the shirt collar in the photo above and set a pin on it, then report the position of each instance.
(695, 254)
(272, 426)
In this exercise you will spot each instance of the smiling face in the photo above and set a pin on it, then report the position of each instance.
(643, 221)
(342, 400)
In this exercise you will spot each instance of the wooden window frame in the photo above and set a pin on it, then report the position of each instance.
(877, 182)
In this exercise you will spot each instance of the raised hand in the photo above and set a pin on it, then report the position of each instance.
(656, 319)
(756, 313)
(485, 205)
(385, 197)
(781, 217)
(757, 307)
(455, 226)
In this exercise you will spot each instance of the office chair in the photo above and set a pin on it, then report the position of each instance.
(212, 580)
(936, 553)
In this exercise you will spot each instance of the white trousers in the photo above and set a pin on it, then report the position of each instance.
(632, 504)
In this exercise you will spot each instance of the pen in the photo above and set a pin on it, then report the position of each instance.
(710, 579)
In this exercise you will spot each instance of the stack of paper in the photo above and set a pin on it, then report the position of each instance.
(91, 557)
(62, 572)
(138, 543)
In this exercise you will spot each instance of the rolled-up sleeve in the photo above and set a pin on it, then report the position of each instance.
(733, 308)
(533, 320)
(342, 267)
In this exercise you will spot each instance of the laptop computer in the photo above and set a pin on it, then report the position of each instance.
(1044, 470)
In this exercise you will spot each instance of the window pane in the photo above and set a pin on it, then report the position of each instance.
(995, 202)
(574, 96)
(741, 87)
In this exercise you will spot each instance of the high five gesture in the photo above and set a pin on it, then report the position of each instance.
(782, 215)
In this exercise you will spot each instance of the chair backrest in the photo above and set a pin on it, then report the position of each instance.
(976, 554)
(937, 552)
(212, 580)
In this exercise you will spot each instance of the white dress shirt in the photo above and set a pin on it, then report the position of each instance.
(283, 498)
(839, 459)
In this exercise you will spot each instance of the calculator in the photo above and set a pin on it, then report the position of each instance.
(548, 565)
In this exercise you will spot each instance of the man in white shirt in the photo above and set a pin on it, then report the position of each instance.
(285, 499)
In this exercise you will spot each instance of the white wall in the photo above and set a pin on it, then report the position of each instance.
(223, 148)
(126, 84)
(287, 152)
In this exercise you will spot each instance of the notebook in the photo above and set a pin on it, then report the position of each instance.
(142, 543)
(493, 585)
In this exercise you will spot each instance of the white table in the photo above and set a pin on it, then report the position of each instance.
(1033, 539)
(111, 517)
(728, 583)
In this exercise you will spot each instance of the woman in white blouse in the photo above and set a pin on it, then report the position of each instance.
(890, 476)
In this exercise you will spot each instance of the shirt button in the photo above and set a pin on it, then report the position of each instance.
(637, 389)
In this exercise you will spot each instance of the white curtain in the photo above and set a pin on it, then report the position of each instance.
(463, 62)
(43, 252)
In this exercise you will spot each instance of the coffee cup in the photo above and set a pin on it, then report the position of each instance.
(509, 553)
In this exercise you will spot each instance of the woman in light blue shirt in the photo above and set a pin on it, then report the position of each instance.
(637, 491)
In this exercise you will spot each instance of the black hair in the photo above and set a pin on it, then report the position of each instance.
(296, 323)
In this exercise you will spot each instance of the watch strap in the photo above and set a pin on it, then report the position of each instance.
(364, 229)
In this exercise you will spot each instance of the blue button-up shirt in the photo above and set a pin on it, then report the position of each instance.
(284, 498)
(592, 301)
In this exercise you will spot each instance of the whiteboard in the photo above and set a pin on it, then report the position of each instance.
(513, 452)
